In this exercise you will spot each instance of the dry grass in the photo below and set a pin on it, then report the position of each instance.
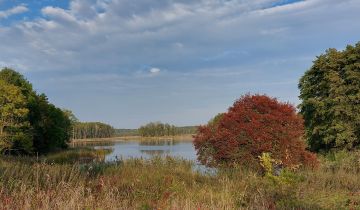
(172, 184)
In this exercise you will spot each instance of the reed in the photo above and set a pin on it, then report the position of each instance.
(168, 183)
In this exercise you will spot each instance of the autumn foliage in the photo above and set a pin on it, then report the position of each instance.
(253, 125)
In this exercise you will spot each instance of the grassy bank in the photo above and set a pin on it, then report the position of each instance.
(79, 155)
(172, 184)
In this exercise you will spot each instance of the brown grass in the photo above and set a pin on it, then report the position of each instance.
(173, 184)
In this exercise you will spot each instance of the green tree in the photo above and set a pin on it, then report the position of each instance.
(330, 93)
(157, 129)
(13, 123)
(73, 120)
(153, 129)
(15, 78)
(49, 128)
(71, 116)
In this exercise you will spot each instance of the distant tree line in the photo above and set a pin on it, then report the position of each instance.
(126, 132)
(87, 130)
(29, 123)
(164, 129)
(186, 130)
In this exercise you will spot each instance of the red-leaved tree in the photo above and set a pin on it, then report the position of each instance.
(253, 125)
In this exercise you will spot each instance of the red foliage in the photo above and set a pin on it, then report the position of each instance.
(253, 125)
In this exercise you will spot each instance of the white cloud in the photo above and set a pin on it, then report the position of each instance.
(205, 52)
(58, 14)
(301, 5)
(125, 34)
(13, 11)
(154, 71)
(119, 37)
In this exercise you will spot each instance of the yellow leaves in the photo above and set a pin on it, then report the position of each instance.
(12, 110)
(12, 102)
(267, 162)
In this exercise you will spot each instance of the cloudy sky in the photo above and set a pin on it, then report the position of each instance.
(128, 62)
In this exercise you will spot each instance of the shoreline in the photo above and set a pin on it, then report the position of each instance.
(188, 137)
(130, 138)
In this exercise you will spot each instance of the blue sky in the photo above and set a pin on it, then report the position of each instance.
(129, 62)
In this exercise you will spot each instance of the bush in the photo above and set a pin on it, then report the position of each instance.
(255, 124)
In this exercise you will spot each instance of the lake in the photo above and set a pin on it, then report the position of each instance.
(148, 149)
(151, 148)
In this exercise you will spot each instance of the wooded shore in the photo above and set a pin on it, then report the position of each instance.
(129, 138)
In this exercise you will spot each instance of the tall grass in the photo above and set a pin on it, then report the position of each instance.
(167, 183)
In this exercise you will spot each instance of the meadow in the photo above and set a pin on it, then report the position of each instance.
(63, 181)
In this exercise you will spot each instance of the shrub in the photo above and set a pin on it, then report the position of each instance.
(253, 125)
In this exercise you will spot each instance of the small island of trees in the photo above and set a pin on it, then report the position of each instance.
(154, 129)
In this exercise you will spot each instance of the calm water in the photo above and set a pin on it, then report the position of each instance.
(148, 149)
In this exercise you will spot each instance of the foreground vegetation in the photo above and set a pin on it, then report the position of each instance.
(173, 184)
(254, 125)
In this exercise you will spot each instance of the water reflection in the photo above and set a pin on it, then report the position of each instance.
(156, 152)
(158, 142)
(148, 149)
(91, 143)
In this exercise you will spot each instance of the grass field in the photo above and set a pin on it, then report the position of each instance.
(48, 183)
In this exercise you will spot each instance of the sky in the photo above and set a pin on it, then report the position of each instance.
(129, 62)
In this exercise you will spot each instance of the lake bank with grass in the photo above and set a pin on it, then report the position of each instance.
(170, 183)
